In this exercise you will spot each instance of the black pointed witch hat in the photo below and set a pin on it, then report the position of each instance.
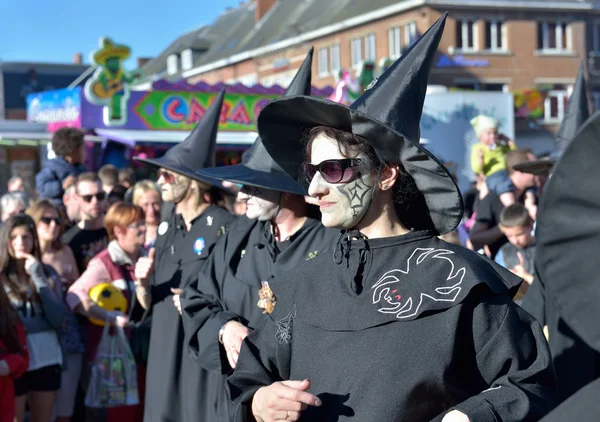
(576, 115)
(566, 253)
(388, 116)
(198, 149)
(257, 167)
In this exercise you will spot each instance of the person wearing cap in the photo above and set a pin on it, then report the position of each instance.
(566, 233)
(185, 238)
(276, 235)
(394, 324)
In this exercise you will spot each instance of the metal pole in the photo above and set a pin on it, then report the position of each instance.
(81, 77)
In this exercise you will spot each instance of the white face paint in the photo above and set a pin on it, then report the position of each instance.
(261, 204)
(343, 205)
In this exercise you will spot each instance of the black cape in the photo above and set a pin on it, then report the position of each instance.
(400, 329)
(176, 385)
(228, 285)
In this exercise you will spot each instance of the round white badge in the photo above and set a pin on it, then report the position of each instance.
(162, 229)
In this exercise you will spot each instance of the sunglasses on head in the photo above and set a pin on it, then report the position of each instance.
(169, 177)
(333, 171)
(100, 196)
(48, 220)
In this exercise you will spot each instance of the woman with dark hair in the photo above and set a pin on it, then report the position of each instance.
(14, 358)
(50, 228)
(395, 324)
(34, 291)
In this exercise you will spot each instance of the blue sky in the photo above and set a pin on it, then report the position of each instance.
(53, 30)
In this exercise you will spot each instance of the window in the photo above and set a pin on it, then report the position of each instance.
(596, 96)
(370, 48)
(553, 36)
(187, 59)
(323, 62)
(248, 80)
(410, 34)
(495, 35)
(556, 103)
(394, 43)
(336, 63)
(596, 37)
(356, 52)
(172, 65)
(466, 37)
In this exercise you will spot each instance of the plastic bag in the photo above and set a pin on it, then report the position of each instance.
(113, 380)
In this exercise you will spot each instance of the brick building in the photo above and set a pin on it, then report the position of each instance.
(488, 45)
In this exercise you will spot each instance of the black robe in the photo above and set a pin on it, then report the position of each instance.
(400, 329)
(175, 385)
(576, 363)
(228, 285)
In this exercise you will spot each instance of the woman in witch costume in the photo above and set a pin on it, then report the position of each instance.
(276, 235)
(176, 385)
(397, 325)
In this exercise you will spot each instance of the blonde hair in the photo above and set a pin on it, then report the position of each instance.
(143, 186)
(482, 123)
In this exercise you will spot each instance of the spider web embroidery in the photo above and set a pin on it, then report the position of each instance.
(284, 327)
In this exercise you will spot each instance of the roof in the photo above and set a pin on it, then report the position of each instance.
(290, 22)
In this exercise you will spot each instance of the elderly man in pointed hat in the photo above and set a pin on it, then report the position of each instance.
(276, 235)
(394, 324)
(175, 383)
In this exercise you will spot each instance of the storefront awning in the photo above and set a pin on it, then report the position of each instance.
(130, 137)
(33, 138)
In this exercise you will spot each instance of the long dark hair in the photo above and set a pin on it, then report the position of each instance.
(18, 288)
(8, 323)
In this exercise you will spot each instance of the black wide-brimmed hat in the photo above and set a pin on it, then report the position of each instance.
(568, 234)
(576, 115)
(387, 114)
(257, 167)
(197, 150)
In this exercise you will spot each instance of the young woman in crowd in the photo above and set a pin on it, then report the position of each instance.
(50, 226)
(147, 196)
(35, 293)
(14, 359)
(125, 224)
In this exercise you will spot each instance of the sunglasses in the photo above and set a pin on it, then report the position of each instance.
(333, 171)
(250, 190)
(100, 196)
(48, 220)
(169, 177)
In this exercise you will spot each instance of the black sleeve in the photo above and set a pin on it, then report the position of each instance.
(264, 359)
(514, 360)
(484, 211)
(203, 312)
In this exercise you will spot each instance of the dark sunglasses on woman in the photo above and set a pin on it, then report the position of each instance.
(48, 220)
(333, 171)
(100, 196)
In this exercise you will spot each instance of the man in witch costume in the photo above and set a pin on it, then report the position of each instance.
(276, 235)
(566, 261)
(565, 285)
(395, 324)
(176, 385)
